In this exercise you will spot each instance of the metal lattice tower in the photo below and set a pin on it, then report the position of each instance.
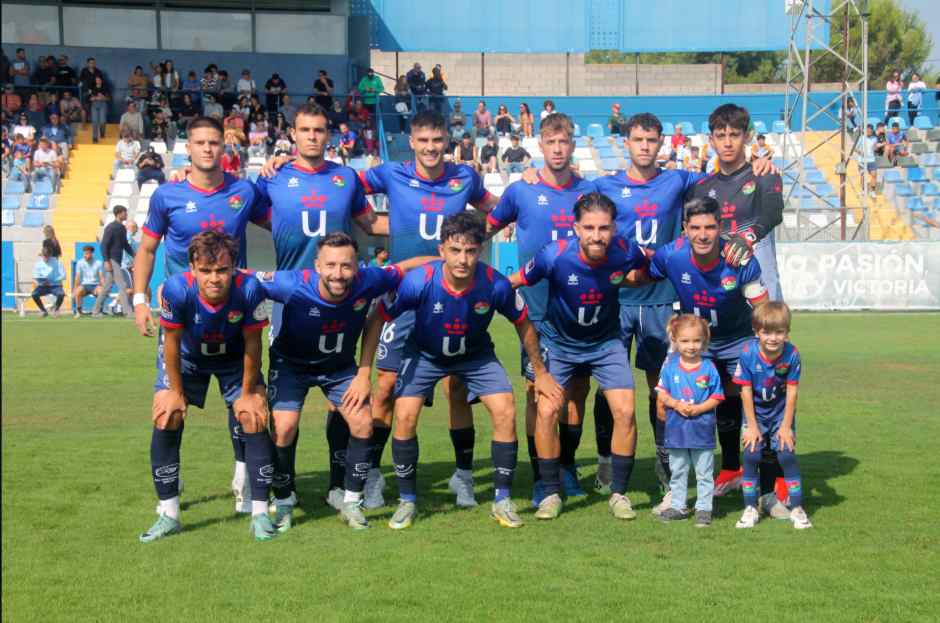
(846, 19)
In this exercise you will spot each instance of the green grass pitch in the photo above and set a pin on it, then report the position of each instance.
(77, 491)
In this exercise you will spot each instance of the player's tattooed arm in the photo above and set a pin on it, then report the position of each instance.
(251, 408)
(751, 435)
(171, 403)
(545, 384)
(785, 437)
(143, 268)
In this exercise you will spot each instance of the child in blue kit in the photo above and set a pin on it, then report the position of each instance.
(689, 391)
(769, 373)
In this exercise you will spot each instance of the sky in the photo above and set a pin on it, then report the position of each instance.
(929, 12)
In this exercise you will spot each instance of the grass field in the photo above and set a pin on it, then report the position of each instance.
(77, 491)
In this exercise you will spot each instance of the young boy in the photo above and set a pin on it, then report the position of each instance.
(769, 373)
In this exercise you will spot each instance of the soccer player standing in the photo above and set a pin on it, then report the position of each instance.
(212, 316)
(421, 194)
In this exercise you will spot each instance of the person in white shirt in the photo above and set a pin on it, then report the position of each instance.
(24, 129)
(46, 164)
(246, 86)
(132, 120)
(88, 279)
(915, 97)
(127, 149)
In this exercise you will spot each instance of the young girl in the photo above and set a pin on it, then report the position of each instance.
(689, 391)
(769, 372)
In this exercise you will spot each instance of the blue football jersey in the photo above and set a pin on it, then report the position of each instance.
(179, 211)
(693, 385)
(583, 309)
(715, 292)
(649, 213)
(768, 378)
(543, 213)
(417, 206)
(212, 334)
(314, 331)
(450, 324)
(306, 204)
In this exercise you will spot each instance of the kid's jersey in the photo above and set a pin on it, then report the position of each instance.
(768, 379)
(692, 385)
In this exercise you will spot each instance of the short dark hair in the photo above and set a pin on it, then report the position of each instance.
(118, 209)
(211, 245)
(311, 110)
(594, 202)
(761, 137)
(430, 119)
(555, 122)
(701, 205)
(379, 250)
(20, 49)
(644, 120)
(88, 247)
(729, 116)
(896, 125)
(90, 58)
(338, 239)
(466, 224)
(204, 122)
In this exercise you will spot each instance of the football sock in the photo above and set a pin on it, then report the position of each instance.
(750, 481)
(259, 507)
(603, 424)
(260, 451)
(533, 458)
(729, 432)
(505, 458)
(357, 464)
(770, 470)
(283, 483)
(405, 457)
(171, 507)
(551, 475)
(293, 458)
(791, 474)
(238, 446)
(570, 439)
(463, 440)
(337, 438)
(352, 496)
(622, 469)
(165, 462)
(379, 439)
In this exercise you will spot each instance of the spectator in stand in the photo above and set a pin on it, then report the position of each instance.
(457, 121)
(898, 144)
(170, 78)
(48, 274)
(617, 121)
(138, 83)
(65, 76)
(337, 115)
(46, 164)
(287, 109)
(761, 149)
(193, 86)
(19, 69)
(283, 145)
(684, 155)
(209, 85)
(20, 145)
(332, 156)
(159, 127)
(234, 120)
(231, 158)
(678, 138)
(436, 88)
(7, 151)
(12, 102)
(548, 107)
(35, 111)
(127, 149)
(370, 87)
(88, 278)
(504, 121)
(280, 126)
(212, 108)
(48, 236)
(852, 115)
(488, 156)
(915, 96)
(114, 245)
(20, 166)
(258, 136)
(402, 103)
(526, 120)
(695, 161)
(188, 110)
(482, 120)
(58, 134)
(466, 152)
(127, 262)
(246, 86)
(89, 74)
(45, 71)
(359, 117)
(867, 163)
(226, 89)
(418, 84)
(347, 142)
(98, 96)
(516, 158)
(243, 107)
(132, 120)
(71, 110)
(150, 168)
(893, 87)
(25, 129)
(323, 87)
(380, 258)
(881, 139)
(273, 89)
(370, 143)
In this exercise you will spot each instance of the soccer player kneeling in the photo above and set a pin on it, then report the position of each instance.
(768, 373)
(454, 301)
(212, 317)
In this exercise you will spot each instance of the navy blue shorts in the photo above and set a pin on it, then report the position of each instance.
(482, 374)
(289, 382)
(608, 365)
(388, 355)
(196, 379)
(725, 356)
(646, 324)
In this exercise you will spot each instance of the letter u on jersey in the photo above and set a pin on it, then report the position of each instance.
(423, 226)
(583, 312)
(336, 347)
(212, 349)
(321, 226)
(654, 228)
(461, 350)
(711, 317)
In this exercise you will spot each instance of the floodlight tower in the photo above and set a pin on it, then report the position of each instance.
(848, 45)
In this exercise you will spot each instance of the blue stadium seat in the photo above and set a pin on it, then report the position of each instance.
(538, 164)
(358, 163)
(903, 190)
(605, 152)
(14, 187)
(936, 174)
(777, 162)
(922, 122)
(38, 202)
(610, 164)
(577, 130)
(930, 190)
(582, 141)
(590, 175)
(915, 204)
(595, 130)
(916, 174)
(936, 204)
(179, 160)
(892, 176)
(703, 127)
(930, 160)
(760, 127)
(902, 123)
(779, 127)
(43, 187)
(11, 202)
(668, 129)
(34, 219)
(687, 128)
(815, 176)
(825, 190)
(8, 218)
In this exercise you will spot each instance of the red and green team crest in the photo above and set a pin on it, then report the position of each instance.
(234, 316)
(235, 202)
(359, 304)
(481, 307)
(729, 283)
(701, 381)
(455, 185)
(338, 181)
(616, 277)
(782, 369)
(748, 188)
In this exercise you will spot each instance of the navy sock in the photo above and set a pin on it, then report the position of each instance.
(337, 438)
(463, 440)
(405, 457)
(770, 470)
(505, 457)
(603, 424)
(283, 483)
(165, 462)
(377, 446)
(533, 458)
(358, 463)
(570, 439)
(238, 444)
(259, 452)
(728, 415)
(551, 475)
(622, 469)
(750, 488)
(791, 475)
